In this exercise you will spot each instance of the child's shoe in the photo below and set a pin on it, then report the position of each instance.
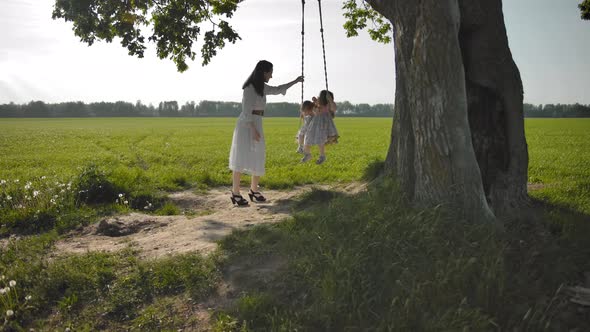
(300, 149)
(320, 160)
(306, 157)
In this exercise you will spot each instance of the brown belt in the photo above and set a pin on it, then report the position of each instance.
(258, 112)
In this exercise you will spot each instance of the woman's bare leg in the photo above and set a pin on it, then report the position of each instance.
(322, 149)
(254, 183)
(235, 188)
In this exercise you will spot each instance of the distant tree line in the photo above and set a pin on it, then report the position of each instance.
(205, 108)
(557, 111)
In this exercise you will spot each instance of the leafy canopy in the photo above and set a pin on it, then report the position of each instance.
(585, 9)
(175, 25)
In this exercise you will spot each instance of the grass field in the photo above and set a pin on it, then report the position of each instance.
(364, 262)
(168, 153)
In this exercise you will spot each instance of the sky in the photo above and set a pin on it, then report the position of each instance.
(41, 59)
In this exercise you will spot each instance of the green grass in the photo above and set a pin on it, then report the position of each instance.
(172, 153)
(559, 154)
(363, 262)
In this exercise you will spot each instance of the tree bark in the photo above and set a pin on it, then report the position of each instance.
(458, 129)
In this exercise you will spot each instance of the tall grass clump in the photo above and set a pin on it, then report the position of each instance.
(36, 205)
(369, 262)
(45, 203)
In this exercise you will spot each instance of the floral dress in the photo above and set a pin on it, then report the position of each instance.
(322, 129)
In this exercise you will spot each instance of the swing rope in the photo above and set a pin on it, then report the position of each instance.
(303, 45)
(323, 43)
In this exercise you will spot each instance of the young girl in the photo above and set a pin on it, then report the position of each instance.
(321, 130)
(307, 115)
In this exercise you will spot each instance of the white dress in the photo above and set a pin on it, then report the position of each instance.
(246, 155)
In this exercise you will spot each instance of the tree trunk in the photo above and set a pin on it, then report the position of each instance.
(458, 130)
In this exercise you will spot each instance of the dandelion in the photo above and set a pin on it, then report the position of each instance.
(12, 283)
(35, 193)
(9, 313)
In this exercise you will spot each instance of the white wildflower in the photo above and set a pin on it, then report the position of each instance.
(9, 313)
(126, 202)
(43, 177)
(35, 193)
(120, 195)
(16, 181)
(52, 201)
(2, 182)
(28, 186)
(55, 196)
(12, 283)
(2, 291)
(28, 298)
(2, 277)
(9, 197)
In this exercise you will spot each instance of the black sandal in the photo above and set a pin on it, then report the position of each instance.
(238, 199)
(256, 195)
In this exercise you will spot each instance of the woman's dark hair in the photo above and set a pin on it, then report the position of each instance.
(323, 99)
(257, 76)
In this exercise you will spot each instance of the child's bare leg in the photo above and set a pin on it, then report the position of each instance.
(322, 157)
(306, 154)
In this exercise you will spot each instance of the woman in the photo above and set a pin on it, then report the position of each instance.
(247, 154)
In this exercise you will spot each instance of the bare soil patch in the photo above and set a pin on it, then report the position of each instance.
(207, 217)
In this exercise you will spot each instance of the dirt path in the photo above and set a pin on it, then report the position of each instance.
(207, 218)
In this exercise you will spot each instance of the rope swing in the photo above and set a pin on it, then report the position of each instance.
(303, 45)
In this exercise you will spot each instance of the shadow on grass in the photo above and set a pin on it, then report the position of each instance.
(371, 262)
